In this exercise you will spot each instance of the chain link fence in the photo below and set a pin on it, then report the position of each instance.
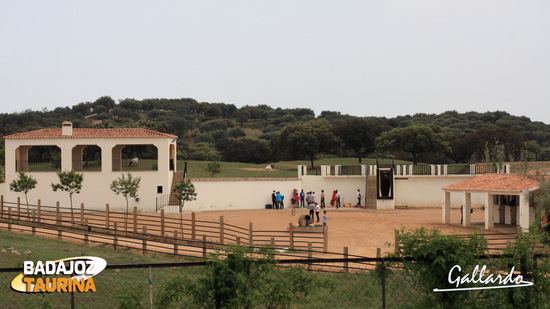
(338, 283)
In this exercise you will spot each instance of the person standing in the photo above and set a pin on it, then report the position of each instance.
(273, 199)
(337, 196)
(279, 198)
(324, 217)
(294, 203)
(323, 199)
(311, 208)
(302, 197)
(358, 198)
(317, 210)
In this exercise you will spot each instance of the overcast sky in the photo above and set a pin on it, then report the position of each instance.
(364, 58)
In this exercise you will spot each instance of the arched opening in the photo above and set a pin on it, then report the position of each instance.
(135, 158)
(86, 158)
(37, 158)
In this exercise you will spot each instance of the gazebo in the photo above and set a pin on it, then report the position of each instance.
(511, 185)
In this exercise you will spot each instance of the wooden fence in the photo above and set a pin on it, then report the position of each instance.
(166, 234)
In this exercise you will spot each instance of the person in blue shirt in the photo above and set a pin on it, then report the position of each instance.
(302, 197)
(325, 217)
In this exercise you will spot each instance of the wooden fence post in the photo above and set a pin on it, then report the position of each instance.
(193, 225)
(175, 242)
(135, 220)
(144, 232)
(115, 237)
(238, 240)
(18, 208)
(272, 242)
(162, 222)
(57, 213)
(325, 238)
(9, 219)
(250, 235)
(39, 210)
(86, 231)
(346, 259)
(378, 253)
(204, 246)
(81, 213)
(221, 230)
(309, 254)
(1, 206)
(33, 227)
(107, 219)
(291, 236)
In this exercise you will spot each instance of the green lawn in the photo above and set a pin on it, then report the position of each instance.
(42, 248)
(284, 169)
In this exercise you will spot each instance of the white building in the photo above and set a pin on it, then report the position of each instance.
(109, 163)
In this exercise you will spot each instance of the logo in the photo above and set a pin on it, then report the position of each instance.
(479, 276)
(61, 276)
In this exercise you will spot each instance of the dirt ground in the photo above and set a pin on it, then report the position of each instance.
(362, 231)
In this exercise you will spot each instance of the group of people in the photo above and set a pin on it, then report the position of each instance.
(277, 200)
(308, 200)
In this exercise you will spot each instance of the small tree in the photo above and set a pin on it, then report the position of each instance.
(23, 184)
(71, 182)
(185, 192)
(128, 187)
(213, 168)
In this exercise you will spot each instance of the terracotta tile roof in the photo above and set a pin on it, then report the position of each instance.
(90, 133)
(495, 182)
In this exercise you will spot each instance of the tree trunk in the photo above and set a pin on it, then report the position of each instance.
(126, 216)
(72, 213)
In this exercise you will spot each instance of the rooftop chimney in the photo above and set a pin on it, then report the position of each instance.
(67, 128)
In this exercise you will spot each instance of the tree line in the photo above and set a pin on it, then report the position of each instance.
(220, 131)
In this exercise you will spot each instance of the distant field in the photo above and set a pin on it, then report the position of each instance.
(285, 169)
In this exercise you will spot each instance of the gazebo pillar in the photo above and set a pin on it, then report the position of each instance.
(466, 214)
(524, 211)
(446, 207)
(489, 220)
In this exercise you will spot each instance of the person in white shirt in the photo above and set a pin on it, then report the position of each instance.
(358, 198)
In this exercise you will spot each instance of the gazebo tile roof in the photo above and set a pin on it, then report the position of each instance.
(495, 182)
(90, 133)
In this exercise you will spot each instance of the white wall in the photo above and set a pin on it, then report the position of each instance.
(237, 193)
(425, 191)
(220, 194)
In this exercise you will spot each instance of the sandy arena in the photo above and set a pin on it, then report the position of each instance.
(362, 231)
